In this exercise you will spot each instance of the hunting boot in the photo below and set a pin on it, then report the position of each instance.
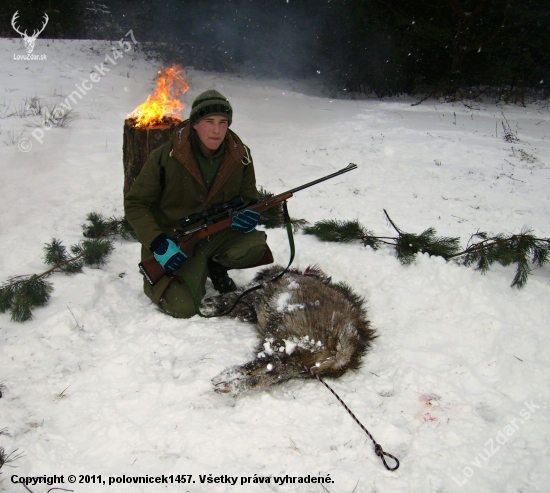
(220, 278)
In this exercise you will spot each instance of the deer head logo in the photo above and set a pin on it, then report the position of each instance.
(29, 40)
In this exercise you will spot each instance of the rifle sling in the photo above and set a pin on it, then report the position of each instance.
(290, 235)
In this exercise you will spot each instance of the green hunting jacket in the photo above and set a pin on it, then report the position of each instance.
(152, 211)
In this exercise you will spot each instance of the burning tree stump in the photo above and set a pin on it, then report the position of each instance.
(149, 125)
(138, 142)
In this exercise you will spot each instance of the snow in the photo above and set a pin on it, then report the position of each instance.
(290, 345)
(101, 383)
(282, 302)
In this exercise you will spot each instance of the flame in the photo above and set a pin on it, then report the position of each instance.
(164, 101)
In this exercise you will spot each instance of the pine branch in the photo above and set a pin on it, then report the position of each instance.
(343, 232)
(21, 294)
(408, 245)
(274, 217)
(391, 222)
(100, 227)
(524, 250)
(93, 253)
(7, 458)
(522, 274)
(55, 254)
(520, 249)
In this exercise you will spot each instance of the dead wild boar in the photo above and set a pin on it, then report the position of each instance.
(303, 318)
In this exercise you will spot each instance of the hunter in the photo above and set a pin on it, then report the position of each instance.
(203, 165)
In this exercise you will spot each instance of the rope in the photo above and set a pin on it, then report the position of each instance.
(377, 447)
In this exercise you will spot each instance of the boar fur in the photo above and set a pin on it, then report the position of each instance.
(303, 318)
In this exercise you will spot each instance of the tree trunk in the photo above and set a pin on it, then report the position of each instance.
(138, 142)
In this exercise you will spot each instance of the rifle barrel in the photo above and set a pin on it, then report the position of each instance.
(349, 167)
(152, 270)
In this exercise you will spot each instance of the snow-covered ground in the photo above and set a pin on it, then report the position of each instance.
(101, 383)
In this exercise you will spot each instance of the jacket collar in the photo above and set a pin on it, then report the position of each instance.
(183, 152)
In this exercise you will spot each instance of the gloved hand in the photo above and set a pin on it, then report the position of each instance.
(245, 221)
(167, 253)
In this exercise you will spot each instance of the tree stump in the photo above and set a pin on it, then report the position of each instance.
(138, 142)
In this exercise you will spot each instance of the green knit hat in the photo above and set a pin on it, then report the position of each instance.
(208, 103)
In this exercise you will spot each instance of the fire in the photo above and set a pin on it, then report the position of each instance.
(165, 100)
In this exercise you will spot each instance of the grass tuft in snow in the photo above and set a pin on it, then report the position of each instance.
(13, 137)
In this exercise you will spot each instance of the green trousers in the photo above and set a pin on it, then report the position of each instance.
(231, 249)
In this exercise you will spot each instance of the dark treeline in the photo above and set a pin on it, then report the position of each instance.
(443, 48)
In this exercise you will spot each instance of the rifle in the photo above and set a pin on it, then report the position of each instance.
(219, 218)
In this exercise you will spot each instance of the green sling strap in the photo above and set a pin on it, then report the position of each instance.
(290, 235)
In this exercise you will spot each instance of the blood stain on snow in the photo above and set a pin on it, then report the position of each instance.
(432, 404)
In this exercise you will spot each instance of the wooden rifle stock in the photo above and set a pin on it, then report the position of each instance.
(153, 271)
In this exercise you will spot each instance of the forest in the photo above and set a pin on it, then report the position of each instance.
(454, 49)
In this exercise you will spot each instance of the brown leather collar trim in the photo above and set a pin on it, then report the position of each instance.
(183, 152)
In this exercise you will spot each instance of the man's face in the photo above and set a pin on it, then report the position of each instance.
(211, 131)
